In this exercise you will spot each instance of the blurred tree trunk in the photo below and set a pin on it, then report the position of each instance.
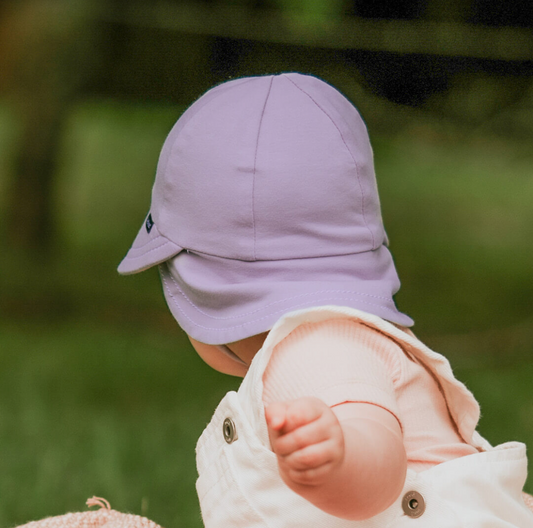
(30, 214)
(43, 59)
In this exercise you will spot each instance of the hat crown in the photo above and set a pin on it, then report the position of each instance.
(269, 168)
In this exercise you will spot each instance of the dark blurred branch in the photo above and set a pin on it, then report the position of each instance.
(285, 27)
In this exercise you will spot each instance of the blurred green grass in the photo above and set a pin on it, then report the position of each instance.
(102, 395)
(88, 409)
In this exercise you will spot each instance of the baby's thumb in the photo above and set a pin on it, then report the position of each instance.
(275, 415)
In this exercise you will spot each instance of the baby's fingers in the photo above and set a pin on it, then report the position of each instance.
(275, 415)
(313, 476)
(312, 456)
(298, 439)
(303, 411)
(287, 416)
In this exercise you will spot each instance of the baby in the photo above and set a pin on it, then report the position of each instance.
(266, 223)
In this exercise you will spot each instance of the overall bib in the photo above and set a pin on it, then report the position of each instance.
(239, 485)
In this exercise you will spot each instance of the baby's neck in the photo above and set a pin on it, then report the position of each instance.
(247, 348)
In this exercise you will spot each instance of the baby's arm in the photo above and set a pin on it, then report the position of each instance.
(348, 460)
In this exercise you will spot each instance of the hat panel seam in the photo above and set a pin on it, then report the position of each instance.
(351, 155)
(255, 164)
(199, 109)
(188, 115)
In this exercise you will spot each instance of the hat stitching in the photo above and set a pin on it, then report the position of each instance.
(379, 297)
(279, 301)
(351, 155)
(253, 320)
(255, 161)
(145, 252)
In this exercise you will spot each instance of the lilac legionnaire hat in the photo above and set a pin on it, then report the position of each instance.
(265, 201)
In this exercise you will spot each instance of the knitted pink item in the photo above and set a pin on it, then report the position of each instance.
(528, 499)
(105, 517)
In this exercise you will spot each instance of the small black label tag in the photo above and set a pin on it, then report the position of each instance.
(149, 223)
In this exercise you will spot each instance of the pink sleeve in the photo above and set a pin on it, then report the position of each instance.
(338, 361)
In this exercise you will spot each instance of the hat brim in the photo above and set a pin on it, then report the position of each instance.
(148, 249)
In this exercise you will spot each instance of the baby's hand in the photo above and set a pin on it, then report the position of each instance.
(307, 439)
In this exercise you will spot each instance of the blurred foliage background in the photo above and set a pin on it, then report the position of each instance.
(100, 392)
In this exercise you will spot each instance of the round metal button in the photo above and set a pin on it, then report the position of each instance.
(413, 504)
(229, 430)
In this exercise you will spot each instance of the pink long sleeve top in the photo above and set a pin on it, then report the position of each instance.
(342, 360)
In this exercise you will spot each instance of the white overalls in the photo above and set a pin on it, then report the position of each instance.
(239, 485)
